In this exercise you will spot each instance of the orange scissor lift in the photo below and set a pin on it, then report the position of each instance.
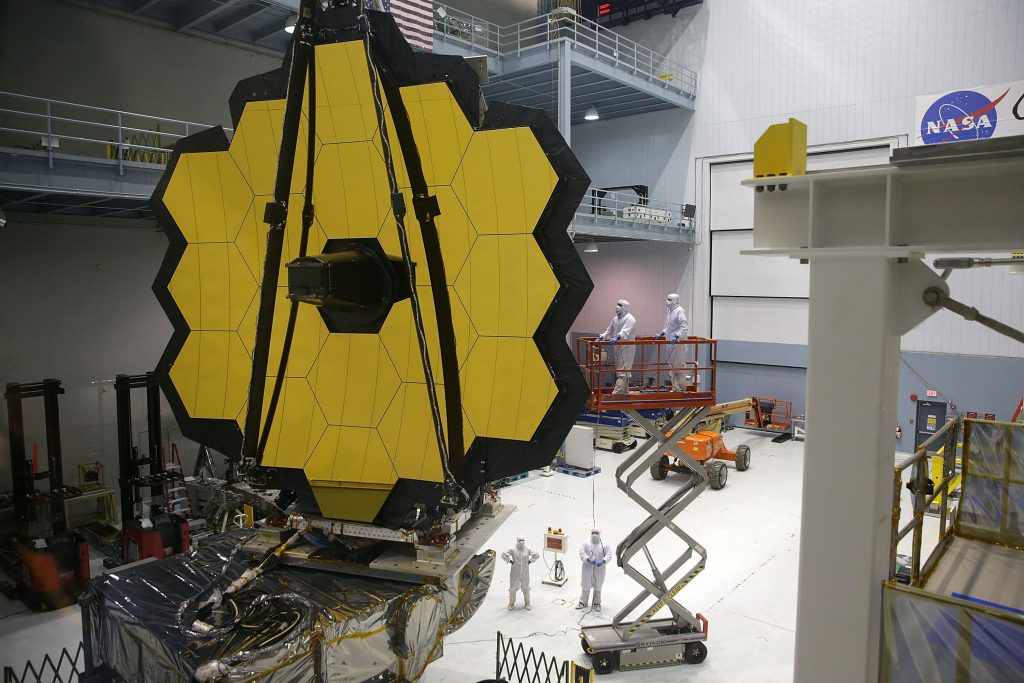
(642, 641)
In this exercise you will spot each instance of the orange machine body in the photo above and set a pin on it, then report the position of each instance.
(706, 445)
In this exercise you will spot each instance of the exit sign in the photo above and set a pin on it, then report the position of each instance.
(932, 393)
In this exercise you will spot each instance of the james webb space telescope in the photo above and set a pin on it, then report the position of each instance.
(370, 288)
(395, 339)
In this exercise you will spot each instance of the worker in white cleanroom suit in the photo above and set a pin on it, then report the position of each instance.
(595, 554)
(621, 328)
(675, 331)
(519, 558)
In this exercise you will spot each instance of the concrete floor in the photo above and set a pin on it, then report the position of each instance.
(747, 591)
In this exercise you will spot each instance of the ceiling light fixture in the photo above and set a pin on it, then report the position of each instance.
(591, 248)
(289, 26)
(592, 114)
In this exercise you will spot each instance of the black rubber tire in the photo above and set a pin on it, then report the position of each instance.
(604, 663)
(659, 470)
(618, 447)
(742, 458)
(633, 445)
(696, 652)
(717, 475)
(586, 647)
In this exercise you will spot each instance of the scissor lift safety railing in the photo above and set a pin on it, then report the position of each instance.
(652, 364)
(642, 640)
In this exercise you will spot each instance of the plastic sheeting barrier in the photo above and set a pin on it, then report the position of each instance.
(937, 633)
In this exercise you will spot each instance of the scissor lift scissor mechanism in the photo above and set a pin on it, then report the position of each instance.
(645, 641)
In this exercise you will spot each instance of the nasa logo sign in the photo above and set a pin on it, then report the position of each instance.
(973, 113)
(960, 115)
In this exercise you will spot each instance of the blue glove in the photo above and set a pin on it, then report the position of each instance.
(675, 339)
(612, 341)
(599, 563)
(660, 335)
(590, 561)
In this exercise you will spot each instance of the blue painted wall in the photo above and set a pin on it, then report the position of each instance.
(971, 383)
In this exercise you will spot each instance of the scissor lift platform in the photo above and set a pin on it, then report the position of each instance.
(659, 642)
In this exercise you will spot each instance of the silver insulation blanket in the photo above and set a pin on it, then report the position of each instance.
(291, 624)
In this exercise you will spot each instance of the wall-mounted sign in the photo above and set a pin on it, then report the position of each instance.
(932, 393)
(970, 114)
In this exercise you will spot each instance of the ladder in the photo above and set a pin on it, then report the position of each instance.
(175, 493)
(661, 584)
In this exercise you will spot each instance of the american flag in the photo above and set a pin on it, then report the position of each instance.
(415, 18)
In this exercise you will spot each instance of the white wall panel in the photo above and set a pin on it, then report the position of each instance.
(641, 272)
(775, 321)
(732, 205)
(866, 156)
(736, 274)
(995, 292)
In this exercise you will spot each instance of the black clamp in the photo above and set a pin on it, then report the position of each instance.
(398, 204)
(275, 213)
(426, 207)
(364, 23)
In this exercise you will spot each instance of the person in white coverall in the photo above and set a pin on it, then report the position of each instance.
(595, 554)
(519, 558)
(621, 328)
(675, 331)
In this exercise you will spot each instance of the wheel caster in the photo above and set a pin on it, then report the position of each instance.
(696, 652)
(742, 458)
(618, 447)
(717, 475)
(605, 663)
(659, 470)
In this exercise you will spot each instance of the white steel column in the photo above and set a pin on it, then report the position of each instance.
(565, 89)
(853, 356)
(864, 232)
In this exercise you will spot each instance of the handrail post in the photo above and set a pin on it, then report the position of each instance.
(49, 135)
(120, 148)
(948, 470)
(919, 475)
(897, 487)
